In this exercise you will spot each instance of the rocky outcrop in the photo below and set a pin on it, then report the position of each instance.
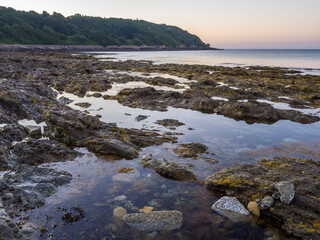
(257, 183)
(8, 229)
(35, 152)
(251, 111)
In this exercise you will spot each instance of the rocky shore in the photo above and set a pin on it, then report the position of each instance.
(29, 86)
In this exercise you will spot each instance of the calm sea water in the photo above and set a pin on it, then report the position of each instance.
(303, 59)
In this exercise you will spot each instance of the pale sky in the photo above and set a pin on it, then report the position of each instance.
(222, 23)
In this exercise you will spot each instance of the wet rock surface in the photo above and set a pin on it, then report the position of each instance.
(28, 85)
(190, 150)
(169, 123)
(231, 208)
(35, 152)
(83, 104)
(141, 118)
(250, 183)
(154, 221)
(285, 191)
(170, 170)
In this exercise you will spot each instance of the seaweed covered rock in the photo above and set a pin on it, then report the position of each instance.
(255, 183)
(190, 150)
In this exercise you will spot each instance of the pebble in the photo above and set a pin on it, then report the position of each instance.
(120, 198)
(119, 212)
(253, 208)
(146, 209)
(266, 203)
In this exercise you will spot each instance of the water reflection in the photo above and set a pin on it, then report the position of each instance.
(100, 184)
(98, 193)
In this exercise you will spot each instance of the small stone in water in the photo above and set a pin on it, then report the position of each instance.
(120, 198)
(154, 203)
(146, 157)
(119, 212)
(146, 209)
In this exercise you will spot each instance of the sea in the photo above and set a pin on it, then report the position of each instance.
(305, 60)
(98, 186)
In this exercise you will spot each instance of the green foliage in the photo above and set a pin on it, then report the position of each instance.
(22, 27)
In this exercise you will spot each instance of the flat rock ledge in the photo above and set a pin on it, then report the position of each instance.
(154, 221)
(294, 185)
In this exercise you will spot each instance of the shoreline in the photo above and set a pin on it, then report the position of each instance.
(31, 87)
(70, 48)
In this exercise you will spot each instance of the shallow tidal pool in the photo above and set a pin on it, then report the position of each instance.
(100, 185)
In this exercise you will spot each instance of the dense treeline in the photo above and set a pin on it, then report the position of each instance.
(20, 27)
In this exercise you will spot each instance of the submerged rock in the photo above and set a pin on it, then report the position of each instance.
(119, 212)
(154, 221)
(285, 190)
(126, 177)
(170, 170)
(146, 209)
(231, 208)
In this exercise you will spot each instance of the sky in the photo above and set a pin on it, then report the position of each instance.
(222, 23)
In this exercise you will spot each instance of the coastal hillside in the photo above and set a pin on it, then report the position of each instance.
(20, 27)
